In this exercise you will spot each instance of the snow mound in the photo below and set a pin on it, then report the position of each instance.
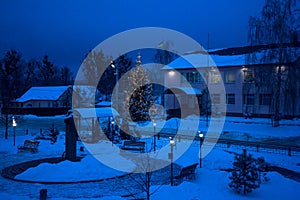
(87, 169)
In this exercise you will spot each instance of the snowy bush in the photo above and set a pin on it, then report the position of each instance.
(247, 173)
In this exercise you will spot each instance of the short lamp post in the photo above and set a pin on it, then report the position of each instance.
(201, 142)
(14, 123)
(112, 129)
(154, 135)
(172, 143)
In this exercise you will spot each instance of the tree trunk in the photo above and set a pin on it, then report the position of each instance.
(148, 185)
(6, 126)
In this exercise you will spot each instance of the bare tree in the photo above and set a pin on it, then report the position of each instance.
(276, 28)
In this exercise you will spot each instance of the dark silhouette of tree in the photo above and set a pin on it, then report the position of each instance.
(30, 74)
(11, 80)
(108, 79)
(46, 71)
(66, 76)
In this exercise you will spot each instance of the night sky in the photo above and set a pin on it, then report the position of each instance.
(67, 30)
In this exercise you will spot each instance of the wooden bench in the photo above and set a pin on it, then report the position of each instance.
(187, 172)
(29, 145)
(133, 146)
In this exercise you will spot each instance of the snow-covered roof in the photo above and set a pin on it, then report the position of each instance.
(205, 60)
(189, 90)
(100, 112)
(51, 93)
(201, 60)
(103, 104)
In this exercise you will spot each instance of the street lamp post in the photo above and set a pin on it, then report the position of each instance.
(172, 143)
(200, 142)
(206, 98)
(112, 129)
(14, 123)
(117, 85)
(154, 135)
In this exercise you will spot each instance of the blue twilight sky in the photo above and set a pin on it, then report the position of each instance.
(66, 30)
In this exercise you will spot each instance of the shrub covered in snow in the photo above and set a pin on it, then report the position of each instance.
(247, 173)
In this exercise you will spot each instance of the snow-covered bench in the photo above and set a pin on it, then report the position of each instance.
(187, 172)
(29, 145)
(133, 146)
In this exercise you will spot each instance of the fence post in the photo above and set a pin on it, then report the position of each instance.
(43, 194)
(228, 144)
(290, 152)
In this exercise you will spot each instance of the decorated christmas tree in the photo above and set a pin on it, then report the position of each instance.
(138, 97)
(141, 99)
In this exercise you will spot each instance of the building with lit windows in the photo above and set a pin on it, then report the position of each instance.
(255, 84)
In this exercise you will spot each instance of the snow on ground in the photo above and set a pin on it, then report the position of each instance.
(87, 169)
(211, 183)
(12, 197)
(238, 128)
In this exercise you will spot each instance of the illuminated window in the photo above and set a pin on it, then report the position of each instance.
(191, 77)
(215, 77)
(216, 98)
(248, 74)
(230, 77)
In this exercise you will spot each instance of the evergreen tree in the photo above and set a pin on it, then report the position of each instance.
(11, 80)
(245, 175)
(141, 99)
(108, 79)
(94, 64)
(46, 70)
(66, 76)
(263, 168)
(137, 97)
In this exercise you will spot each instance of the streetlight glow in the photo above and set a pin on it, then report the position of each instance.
(14, 123)
(172, 141)
(112, 64)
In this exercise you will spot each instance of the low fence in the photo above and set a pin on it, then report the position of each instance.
(35, 111)
(289, 150)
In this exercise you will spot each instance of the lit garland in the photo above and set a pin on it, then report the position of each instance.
(141, 100)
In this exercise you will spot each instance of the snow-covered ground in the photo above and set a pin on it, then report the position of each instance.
(68, 171)
(211, 183)
(239, 128)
